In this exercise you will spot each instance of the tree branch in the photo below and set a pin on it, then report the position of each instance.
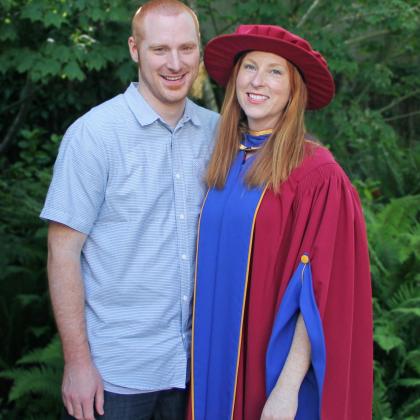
(19, 101)
(366, 36)
(25, 99)
(308, 13)
(359, 16)
(208, 95)
(213, 20)
(397, 101)
(398, 117)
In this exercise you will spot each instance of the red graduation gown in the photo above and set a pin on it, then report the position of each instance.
(318, 212)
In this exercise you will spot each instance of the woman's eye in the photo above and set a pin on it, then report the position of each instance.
(277, 72)
(248, 66)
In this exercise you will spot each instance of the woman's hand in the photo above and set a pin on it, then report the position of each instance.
(281, 405)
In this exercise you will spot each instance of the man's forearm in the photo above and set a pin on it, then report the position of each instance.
(67, 291)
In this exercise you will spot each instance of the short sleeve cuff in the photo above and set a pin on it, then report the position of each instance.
(71, 221)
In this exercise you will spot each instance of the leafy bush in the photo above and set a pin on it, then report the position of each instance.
(394, 237)
(58, 59)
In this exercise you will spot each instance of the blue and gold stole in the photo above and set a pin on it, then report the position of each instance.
(223, 257)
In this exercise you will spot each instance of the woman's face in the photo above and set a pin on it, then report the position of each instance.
(263, 88)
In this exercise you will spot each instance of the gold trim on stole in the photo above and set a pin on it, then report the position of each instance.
(244, 298)
(193, 314)
(260, 132)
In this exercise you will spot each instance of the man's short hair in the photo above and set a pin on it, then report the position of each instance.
(164, 7)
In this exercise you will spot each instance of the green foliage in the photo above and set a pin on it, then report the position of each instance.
(61, 39)
(59, 58)
(394, 240)
(25, 321)
(38, 376)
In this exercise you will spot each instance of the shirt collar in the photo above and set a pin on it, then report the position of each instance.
(143, 112)
(146, 115)
(190, 113)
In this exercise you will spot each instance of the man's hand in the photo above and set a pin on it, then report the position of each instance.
(281, 405)
(82, 389)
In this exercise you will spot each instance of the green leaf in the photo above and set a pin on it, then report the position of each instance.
(407, 311)
(73, 71)
(27, 61)
(50, 355)
(409, 382)
(386, 339)
(32, 11)
(47, 67)
(52, 18)
(8, 32)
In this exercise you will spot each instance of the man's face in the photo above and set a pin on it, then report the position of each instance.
(168, 56)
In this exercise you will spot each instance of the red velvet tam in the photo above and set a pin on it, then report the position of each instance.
(222, 52)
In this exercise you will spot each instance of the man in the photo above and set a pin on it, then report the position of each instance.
(123, 208)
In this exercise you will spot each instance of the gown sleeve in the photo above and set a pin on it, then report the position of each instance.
(333, 292)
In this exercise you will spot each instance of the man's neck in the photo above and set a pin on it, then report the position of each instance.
(171, 113)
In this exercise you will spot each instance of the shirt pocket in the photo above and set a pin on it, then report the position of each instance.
(140, 188)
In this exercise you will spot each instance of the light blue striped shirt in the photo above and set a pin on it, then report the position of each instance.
(134, 186)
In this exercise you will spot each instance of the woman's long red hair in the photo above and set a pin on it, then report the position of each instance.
(281, 153)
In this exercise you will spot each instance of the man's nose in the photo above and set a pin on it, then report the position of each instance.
(174, 61)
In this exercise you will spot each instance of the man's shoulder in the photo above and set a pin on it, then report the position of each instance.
(108, 112)
(93, 126)
(206, 116)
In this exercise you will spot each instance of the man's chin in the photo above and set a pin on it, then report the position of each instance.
(176, 95)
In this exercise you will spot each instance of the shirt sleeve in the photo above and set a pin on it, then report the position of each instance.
(77, 189)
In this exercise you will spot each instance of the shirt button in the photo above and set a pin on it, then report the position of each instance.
(185, 297)
(183, 256)
(177, 176)
(181, 216)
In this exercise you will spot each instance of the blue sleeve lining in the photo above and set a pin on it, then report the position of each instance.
(299, 298)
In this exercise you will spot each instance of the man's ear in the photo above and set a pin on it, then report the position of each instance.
(132, 47)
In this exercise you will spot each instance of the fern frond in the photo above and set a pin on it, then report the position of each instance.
(401, 214)
(381, 403)
(36, 380)
(386, 338)
(405, 294)
(410, 312)
(413, 360)
(50, 355)
(410, 410)
(409, 382)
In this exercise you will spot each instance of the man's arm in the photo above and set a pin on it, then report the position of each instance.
(283, 401)
(82, 385)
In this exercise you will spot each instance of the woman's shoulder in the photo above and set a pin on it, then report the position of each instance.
(317, 167)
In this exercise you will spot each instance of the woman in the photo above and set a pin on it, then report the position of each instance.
(282, 324)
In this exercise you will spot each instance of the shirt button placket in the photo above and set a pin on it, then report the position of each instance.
(180, 200)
